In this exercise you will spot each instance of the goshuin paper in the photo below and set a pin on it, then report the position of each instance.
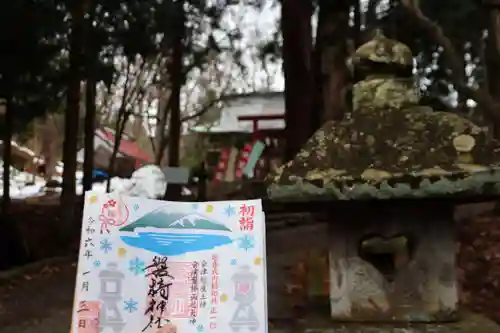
(158, 266)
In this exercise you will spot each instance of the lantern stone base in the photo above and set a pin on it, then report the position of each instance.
(470, 323)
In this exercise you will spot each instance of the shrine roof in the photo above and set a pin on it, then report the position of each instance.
(246, 105)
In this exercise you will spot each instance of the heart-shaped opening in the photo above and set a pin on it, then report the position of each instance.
(243, 288)
(387, 255)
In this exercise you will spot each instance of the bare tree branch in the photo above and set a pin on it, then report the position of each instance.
(205, 108)
(209, 104)
(144, 75)
(122, 108)
(107, 100)
(486, 102)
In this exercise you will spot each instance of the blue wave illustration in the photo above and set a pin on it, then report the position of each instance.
(172, 244)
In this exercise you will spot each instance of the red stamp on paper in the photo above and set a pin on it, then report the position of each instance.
(179, 292)
(114, 213)
(87, 316)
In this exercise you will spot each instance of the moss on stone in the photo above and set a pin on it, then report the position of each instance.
(391, 147)
(384, 50)
(470, 323)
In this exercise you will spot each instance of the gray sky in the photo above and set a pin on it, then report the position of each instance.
(257, 27)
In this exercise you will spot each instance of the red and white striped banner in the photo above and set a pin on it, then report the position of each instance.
(243, 160)
(231, 166)
(220, 171)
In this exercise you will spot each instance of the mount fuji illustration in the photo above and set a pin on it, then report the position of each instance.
(170, 233)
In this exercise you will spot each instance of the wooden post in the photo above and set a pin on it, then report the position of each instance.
(202, 182)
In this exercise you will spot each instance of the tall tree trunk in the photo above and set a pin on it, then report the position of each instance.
(49, 139)
(177, 74)
(297, 48)
(370, 17)
(12, 245)
(7, 153)
(163, 110)
(492, 54)
(356, 24)
(70, 146)
(91, 53)
(13, 249)
(89, 130)
(121, 121)
(331, 52)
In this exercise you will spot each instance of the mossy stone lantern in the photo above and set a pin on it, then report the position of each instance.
(391, 172)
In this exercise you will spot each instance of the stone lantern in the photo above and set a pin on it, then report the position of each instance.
(390, 173)
(111, 296)
(244, 295)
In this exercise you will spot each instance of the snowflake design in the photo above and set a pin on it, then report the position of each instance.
(106, 246)
(97, 263)
(229, 211)
(200, 328)
(247, 242)
(130, 306)
(195, 206)
(233, 262)
(136, 207)
(137, 266)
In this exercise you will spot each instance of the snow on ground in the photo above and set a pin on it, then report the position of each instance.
(147, 182)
